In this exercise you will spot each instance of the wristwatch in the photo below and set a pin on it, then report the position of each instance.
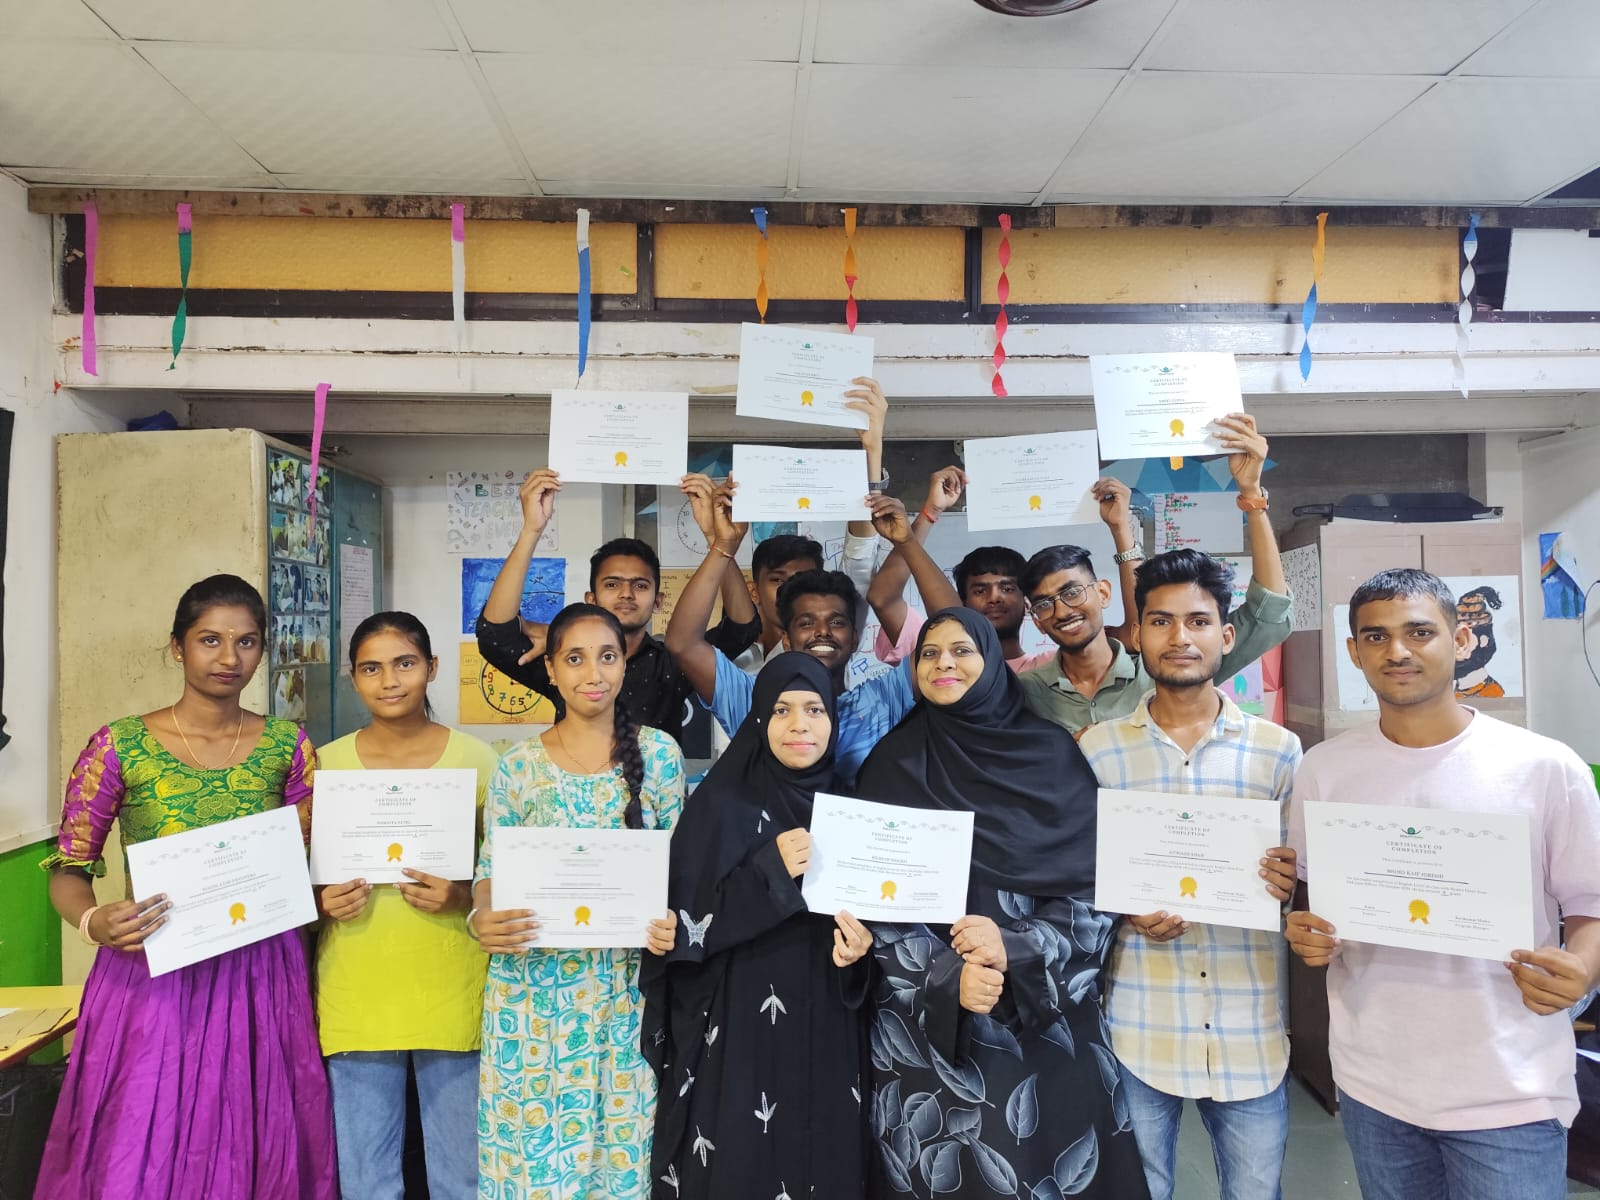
(1253, 503)
(1131, 554)
(881, 485)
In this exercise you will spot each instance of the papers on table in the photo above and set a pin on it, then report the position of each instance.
(800, 375)
(1160, 405)
(373, 824)
(590, 888)
(1197, 857)
(619, 437)
(779, 483)
(230, 884)
(883, 862)
(1422, 878)
(1031, 480)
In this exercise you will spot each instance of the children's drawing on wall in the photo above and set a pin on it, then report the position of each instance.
(1490, 609)
(543, 593)
(483, 513)
(1559, 578)
(1354, 693)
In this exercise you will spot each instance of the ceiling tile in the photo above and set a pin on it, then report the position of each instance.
(98, 107)
(1019, 199)
(664, 127)
(312, 24)
(257, 182)
(1560, 37)
(944, 128)
(1213, 137)
(611, 189)
(311, 112)
(58, 19)
(959, 33)
(1472, 141)
(1361, 37)
(636, 30)
(405, 185)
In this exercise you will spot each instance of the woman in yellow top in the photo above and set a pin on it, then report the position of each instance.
(398, 976)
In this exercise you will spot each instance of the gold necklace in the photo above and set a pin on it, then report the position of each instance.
(173, 709)
(587, 770)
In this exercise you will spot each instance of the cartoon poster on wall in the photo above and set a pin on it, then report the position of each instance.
(1490, 607)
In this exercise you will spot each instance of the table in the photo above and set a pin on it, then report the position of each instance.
(67, 996)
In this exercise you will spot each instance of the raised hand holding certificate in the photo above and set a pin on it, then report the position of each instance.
(883, 862)
(1031, 480)
(1161, 405)
(372, 825)
(1197, 857)
(777, 483)
(588, 888)
(1422, 878)
(230, 884)
(800, 375)
(619, 437)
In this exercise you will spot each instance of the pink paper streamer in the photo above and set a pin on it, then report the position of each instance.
(458, 222)
(91, 246)
(320, 415)
(185, 218)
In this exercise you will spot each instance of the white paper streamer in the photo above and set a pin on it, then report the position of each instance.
(1469, 250)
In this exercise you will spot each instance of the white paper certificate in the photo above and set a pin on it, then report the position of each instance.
(373, 824)
(777, 483)
(1422, 878)
(799, 375)
(883, 862)
(1197, 857)
(230, 884)
(590, 888)
(619, 437)
(1160, 405)
(1031, 480)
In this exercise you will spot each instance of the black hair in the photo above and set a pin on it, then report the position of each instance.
(402, 623)
(1185, 566)
(216, 591)
(625, 751)
(1403, 581)
(988, 560)
(1048, 561)
(773, 552)
(819, 583)
(632, 548)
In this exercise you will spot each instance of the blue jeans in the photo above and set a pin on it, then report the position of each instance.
(369, 1121)
(1247, 1138)
(1396, 1160)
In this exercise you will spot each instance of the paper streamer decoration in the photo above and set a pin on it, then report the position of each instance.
(1469, 277)
(585, 281)
(1308, 313)
(458, 273)
(180, 319)
(319, 417)
(91, 247)
(850, 275)
(1002, 288)
(759, 215)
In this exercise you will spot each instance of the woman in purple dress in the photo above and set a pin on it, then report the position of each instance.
(206, 1082)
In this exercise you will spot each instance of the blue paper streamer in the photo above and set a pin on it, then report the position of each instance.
(760, 215)
(583, 310)
(1308, 314)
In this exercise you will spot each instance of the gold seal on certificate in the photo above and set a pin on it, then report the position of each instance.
(800, 374)
(230, 884)
(619, 437)
(589, 888)
(780, 483)
(373, 825)
(1162, 405)
(885, 862)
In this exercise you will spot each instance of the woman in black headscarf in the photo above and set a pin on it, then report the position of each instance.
(992, 1069)
(755, 1021)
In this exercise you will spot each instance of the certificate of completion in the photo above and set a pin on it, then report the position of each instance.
(374, 824)
(800, 375)
(777, 483)
(619, 437)
(1160, 405)
(1197, 857)
(1032, 480)
(230, 884)
(588, 888)
(1422, 878)
(883, 862)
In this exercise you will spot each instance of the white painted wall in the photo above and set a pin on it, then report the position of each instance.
(1561, 493)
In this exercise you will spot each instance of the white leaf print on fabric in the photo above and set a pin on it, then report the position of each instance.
(702, 1145)
(773, 1005)
(764, 1113)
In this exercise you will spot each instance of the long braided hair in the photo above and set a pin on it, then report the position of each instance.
(625, 729)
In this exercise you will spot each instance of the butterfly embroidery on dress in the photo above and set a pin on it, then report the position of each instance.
(696, 930)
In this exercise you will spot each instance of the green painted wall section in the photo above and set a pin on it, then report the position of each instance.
(30, 931)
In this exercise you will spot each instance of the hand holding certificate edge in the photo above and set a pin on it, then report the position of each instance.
(1550, 979)
(125, 924)
(1277, 868)
(515, 930)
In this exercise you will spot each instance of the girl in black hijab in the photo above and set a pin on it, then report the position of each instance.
(992, 1069)
(754, 1022)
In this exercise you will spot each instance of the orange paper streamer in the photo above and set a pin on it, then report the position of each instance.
(1002, 289)
(760, 216)
(850, 275)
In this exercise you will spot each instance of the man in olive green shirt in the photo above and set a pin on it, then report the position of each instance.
(1096, 678)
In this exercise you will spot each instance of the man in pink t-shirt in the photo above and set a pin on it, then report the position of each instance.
(1456, 1074)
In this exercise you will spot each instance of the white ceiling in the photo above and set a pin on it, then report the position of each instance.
(1227, 101)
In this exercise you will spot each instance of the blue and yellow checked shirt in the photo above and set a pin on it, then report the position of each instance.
(1200, 1016)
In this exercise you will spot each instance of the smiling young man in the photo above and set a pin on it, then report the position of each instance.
(1456, 1074)
(1194, 1009)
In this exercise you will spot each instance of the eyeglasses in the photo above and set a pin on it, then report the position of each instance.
(1072, 595)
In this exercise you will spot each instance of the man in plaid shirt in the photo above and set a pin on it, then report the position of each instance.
(1196, 1010)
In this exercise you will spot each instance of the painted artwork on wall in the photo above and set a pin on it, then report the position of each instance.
(488, 698)
(1490, 606)
(483, 513)
(543, 594)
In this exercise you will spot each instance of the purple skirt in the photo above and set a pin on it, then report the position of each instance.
(206, 1083)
